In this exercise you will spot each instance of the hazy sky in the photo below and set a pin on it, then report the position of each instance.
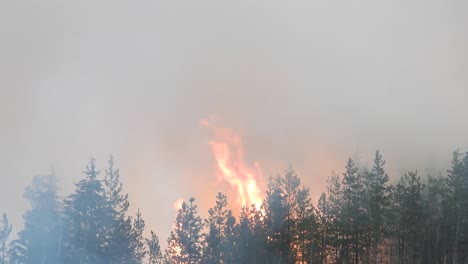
(307, 83)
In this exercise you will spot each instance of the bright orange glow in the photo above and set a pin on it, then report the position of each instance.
(229, 154)
(177, 205)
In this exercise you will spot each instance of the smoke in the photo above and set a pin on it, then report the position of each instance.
(305, 83)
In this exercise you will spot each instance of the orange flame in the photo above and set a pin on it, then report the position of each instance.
(229, 154)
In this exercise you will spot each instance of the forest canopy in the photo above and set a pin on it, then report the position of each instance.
(360, 218)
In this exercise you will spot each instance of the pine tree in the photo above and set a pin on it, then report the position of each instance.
(5, 231)
(289, 219)
(322, 235)
(154, 249)
(260, 251)
(216, 237)
(276, 225)
(231, 244)
(185, 240)
(333, 214)
(353, 215)
(40, 240)
(86, 214)
(138, 243)
(306, 228)
(245, 247)
(118, 226)
(433, 226)
(409, 210)
(456, 209)
(376, 194)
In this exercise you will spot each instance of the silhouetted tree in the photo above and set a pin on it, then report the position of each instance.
(377, 198)
(154, 249)
(353, 216)
(290, 220)
(436, 242)
(41, 238)
(456, 207)
(117, 225)
(245, 246)
(324, 231)
(408, 221)
(215, 244)
(334, 205)
(85, 220)
(138, 241)
(231, 244)
(360, 218)
(185, 240)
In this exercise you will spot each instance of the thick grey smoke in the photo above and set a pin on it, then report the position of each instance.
(306, 83)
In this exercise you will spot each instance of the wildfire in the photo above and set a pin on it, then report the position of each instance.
(229, 154)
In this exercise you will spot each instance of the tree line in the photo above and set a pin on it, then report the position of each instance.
(360, 218)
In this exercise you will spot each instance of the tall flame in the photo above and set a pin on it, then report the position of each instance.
(229, 154)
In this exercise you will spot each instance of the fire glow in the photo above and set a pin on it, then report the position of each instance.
(229, 155)
(178, 204)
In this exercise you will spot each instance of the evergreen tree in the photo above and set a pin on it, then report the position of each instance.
(245, 250)
(289, 219)
(305, 228)
(435, 237)
(333, 215)
(408, 221)
(322, 235)
(40, 240)
(276, 226)
(185, 241)
(231, 244)
(154, 249)
(353, 216)
(118, 226)
(216, 237)
(86, 214)
(5, 231)
(376, 193)
(258, 226)
(138, 243)
(456, 210)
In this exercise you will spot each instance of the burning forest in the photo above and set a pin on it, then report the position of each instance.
(234, 132)
(360, 218)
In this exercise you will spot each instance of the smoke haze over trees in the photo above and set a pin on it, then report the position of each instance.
(307, 83)
(360, 218)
